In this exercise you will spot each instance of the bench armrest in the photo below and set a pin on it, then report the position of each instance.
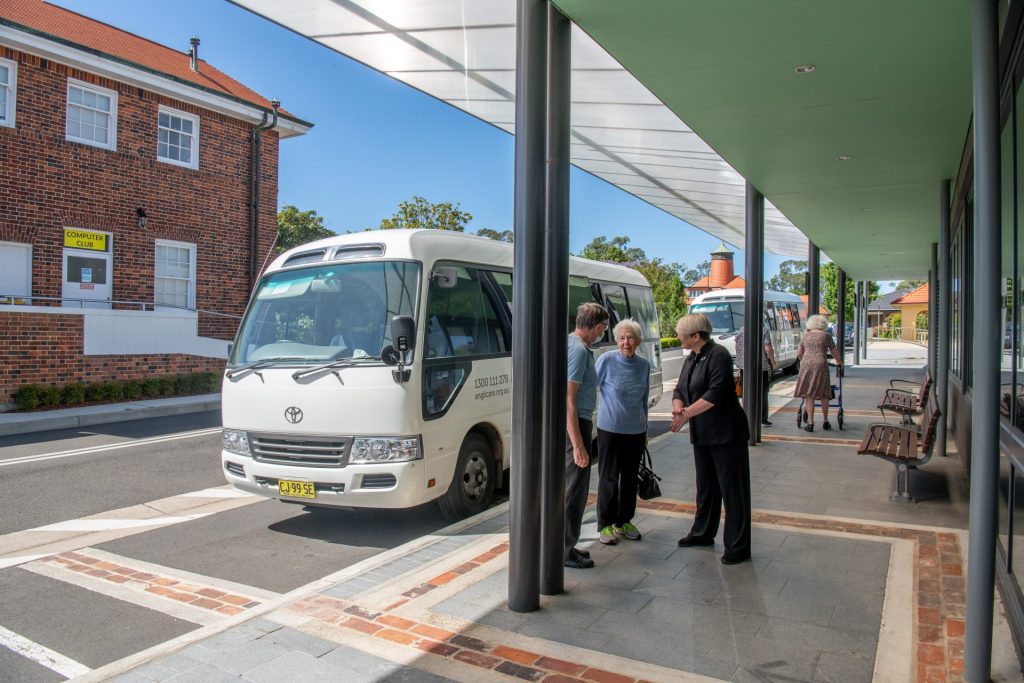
(904, 381)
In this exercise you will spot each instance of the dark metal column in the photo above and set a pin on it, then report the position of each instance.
(841, 319)
(753, 311)
(527, 300)
(553, 323)
(865, 316)
(856, 322)
(986, 348)
(933, 333)
(813, 279)
(944, 309)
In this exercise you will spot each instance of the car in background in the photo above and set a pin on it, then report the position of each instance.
(847, 337)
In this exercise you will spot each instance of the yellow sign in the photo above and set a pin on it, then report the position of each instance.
(83, 239)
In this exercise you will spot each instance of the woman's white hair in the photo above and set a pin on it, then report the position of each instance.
(630, 325)
(817, 322)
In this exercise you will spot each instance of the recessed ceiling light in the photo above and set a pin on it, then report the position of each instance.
(866, 208)
(805, 69)
(843, 157)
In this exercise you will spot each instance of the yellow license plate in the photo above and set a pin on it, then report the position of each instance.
(296, 489)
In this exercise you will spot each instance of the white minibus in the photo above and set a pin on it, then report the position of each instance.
(783, 316)
(375, 369)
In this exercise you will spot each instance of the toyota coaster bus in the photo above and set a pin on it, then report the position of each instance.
(375, 369)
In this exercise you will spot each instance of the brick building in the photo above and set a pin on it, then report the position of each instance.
(722, 275)
(138, 201)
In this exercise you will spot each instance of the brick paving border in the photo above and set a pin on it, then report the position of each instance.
(938, 623)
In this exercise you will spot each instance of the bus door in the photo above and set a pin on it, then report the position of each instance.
(615, 301)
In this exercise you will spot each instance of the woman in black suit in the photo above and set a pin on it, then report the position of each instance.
(705, 398)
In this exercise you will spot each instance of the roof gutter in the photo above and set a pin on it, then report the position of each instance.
(255, 152)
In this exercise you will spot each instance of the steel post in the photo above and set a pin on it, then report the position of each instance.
(753, 311)
(527, 301)
(553, 322)
(944, 308)
(813, 279)
(856, 322)
(933, 333)
(841, 319)
(986, 348)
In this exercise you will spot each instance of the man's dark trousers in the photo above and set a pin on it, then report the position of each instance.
(723, 474)
(766, 379)
(577, 487)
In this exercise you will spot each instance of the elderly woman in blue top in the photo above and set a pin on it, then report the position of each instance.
(623, 378)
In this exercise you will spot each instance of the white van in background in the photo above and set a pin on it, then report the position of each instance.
(784, 314)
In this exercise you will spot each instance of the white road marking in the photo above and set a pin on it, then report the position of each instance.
(54, 661)
(108, 447)
(115, 524)
(15, 561)
(219, 492)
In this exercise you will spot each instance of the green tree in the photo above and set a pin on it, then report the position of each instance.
(830, 291)
(921, 321)
(666, 280)
(909, 284)
(296, 227)
(500, 236)
(420, 213)
(691, 275)
(791, 278)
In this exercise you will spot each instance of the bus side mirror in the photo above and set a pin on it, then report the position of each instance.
(403, 333)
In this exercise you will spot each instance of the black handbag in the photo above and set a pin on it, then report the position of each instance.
(647, 481)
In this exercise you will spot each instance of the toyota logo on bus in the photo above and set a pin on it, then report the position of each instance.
(293, 414)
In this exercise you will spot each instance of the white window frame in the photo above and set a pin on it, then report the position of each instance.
(112, 94)
(162, 109)
(191, 299)
(12, 93)
(25, 298)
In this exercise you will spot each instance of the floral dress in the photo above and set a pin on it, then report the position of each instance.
(814, 382)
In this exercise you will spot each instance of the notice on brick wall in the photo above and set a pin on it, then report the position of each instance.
(84, 239)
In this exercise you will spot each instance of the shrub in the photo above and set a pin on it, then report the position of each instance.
(49, 397)
(151, 387)
(113, 391)
(73, 394)
(133, 389)
(166, 384)
(94, 393)
(27, 396)
(669, 342)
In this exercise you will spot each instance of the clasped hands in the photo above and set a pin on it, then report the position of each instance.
(679, 418)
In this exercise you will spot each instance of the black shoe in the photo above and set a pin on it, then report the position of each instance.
(808, 428)
(584, 553)
(690, 540)
(766, 423)
(577, 561)
(826, 426)
(734, 559)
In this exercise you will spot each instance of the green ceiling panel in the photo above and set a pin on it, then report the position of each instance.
(891, 90)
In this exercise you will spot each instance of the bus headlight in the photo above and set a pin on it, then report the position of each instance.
(234, 441)
(367, 450)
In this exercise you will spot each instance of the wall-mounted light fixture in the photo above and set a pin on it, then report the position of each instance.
(141, 214)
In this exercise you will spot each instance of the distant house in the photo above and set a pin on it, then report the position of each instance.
(881, 308)
(910, 305)
(138, 201)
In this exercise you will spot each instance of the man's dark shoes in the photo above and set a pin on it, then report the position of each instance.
(584, 553)
(734, 559)
(766, 423)
(690, 540)
(578, 561)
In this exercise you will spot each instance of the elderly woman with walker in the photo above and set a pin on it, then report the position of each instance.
(705, 398)
(814, 383)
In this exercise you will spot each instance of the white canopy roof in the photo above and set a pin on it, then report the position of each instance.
(463, 52)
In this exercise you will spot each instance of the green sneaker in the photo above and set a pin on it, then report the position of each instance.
(608, 536)
(627, 530)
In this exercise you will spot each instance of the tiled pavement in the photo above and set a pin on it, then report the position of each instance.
(843, 586)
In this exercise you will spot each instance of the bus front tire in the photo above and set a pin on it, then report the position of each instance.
(472, 485)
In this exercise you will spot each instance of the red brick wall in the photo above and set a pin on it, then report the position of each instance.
(40, 348)
(48, 184)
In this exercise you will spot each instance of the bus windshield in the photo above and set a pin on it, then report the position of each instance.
(726, 316)
(326, 312)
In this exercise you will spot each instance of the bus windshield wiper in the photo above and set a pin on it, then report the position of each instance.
(260, 364)
(333, 365)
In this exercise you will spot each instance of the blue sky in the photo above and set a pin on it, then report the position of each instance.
(377, 142)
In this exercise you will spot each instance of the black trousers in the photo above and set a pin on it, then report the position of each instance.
(617, 476)
(723, 474)
(577, 487)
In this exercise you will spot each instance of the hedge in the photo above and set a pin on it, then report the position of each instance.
(32, 396)
(669, 342)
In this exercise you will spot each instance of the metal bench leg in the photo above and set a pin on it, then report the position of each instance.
(902, 492)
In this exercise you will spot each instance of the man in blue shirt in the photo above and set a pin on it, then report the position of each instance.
(581, 399)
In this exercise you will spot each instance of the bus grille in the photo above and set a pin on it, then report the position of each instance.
(306, 451)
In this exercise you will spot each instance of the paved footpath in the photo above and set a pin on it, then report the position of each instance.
(843, 586)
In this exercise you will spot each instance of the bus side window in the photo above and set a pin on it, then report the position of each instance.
(462, 320)
(643, 310)
(615, 302)
(580, 292)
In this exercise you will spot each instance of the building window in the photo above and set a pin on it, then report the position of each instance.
(8, 91)
(177, 138)
(16, 274)
(92, 115)
(175, 283)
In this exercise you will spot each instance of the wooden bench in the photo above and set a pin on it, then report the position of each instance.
(906, 446)
(906, 403)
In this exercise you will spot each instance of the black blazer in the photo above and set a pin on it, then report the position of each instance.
(708, 375)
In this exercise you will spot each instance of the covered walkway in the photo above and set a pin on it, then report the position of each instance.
(844, 586)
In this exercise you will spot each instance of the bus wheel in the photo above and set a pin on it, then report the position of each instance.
(472, 486)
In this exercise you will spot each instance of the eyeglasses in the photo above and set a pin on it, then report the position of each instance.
(626, 337)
